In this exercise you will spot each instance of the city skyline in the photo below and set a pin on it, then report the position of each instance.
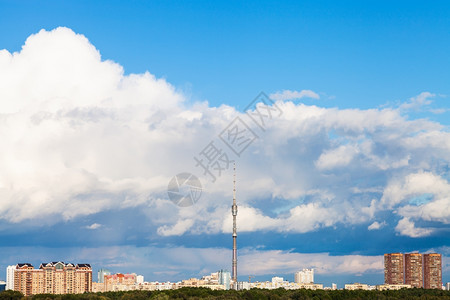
(401, 271)
(345, 158)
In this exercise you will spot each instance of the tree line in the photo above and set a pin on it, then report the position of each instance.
(253, 294)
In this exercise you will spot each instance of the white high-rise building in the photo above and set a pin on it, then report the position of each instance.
(304, 276)
(224, 278)
(140, 279)
(101, 275)
(10, 277)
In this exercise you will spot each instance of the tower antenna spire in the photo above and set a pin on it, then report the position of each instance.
(234, 213)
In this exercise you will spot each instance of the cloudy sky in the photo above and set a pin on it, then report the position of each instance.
(347, 159)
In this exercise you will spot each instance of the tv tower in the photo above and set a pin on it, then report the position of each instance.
(234, 213)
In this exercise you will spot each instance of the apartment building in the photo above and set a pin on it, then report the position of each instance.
(53, 278)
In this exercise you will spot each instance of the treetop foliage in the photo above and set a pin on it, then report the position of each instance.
(256, 294)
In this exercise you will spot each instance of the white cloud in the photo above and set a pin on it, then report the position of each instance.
(308, 217)
(437, 210)
(376, 225)
(253, 220)
(277, 261)
(419, 183)
(418, 101)
(436, 207)
(179, 228)
(339, 157)
(75, 130)
(408, 228)
(93, 226)
(301, 218)
(293, 95)
(439, 110)
(79, 137)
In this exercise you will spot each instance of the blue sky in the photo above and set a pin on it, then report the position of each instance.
(110, 100)
(361, 53)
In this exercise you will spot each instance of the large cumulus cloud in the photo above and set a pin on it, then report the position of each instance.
(80, 137)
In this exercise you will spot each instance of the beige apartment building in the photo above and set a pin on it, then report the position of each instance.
(393, 268)
(53, 278)
(118, 282)
(419, 270)
(395, 287)
(432, 263)
(413, 270)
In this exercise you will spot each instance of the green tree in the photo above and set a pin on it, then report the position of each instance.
(10, 295)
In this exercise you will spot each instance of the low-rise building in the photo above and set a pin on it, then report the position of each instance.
(242, 285)
(2, 285)
(98, 287)
(206, 282)
(384, 287)
(277, 283)
(119, 282)
(358, 286)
